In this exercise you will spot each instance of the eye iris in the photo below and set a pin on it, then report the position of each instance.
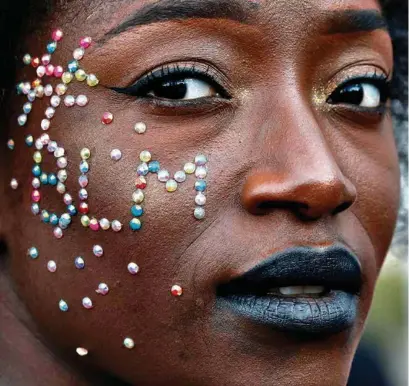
(352, 94)
(173, 89)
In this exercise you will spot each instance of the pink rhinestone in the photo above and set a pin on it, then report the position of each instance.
(40, 71)
(45, 59)
(49, 70)
(57, 35)
(58, 71)
(83, 181)
(107, 118)
(94, 225)
(35, 196)
(85, 42)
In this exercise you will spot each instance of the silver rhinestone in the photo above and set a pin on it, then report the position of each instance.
(97, 250)
(199, 213)
(52, 266)
(103, 289)
(49, 112)
(201, 172)
(81, 351)
(79, 262)
(180, 176)
(82, 100)
(116, 225)
(116, 154)
(133, 268)
(163, 175)
(87, 303)
(13, 184)
(104, 224)
(59, 152)
(45, 124)
(69, 101)
(48, 90)
(138, 196)
(55, 101)
(140, 127)
(129, 343)
(200, 199)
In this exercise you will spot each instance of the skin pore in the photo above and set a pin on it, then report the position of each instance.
(287, 167)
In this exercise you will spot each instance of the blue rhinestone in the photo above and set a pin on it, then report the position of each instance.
(200, 185)
(36, 171)
(51, 47)
(52, 179)
(64, 221)
(33, 252)
(84, 167)
(137, 210)
(63, 305)
(54, 219)
(72, 210)
(19, 88)
(154, 166)
(73, 66)
(45, 216)
(44, 178)
(142, 169)
(135, 224)
(27, 107)
(29, 140)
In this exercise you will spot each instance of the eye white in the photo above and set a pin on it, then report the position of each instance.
(371, 96)
(196, 88)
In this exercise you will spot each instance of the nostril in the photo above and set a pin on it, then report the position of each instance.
(265, 207)
(340, 208)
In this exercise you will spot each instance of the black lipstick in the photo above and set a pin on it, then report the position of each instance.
(257, 294)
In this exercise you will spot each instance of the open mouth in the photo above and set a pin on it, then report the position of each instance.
(302, 289)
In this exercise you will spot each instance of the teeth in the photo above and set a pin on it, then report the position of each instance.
(297, 290)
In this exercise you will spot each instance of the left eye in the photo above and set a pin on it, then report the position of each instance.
(361, 93)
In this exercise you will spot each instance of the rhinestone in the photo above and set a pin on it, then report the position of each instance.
(45, 216)
(142, 169)
(83, 194)
(102, 289)
(200, 185)
(145, 156)
(36, 170)
(135, 224)
(116, 225)
(52, 266)
(67, 77)
(57, 35)
(61, 188)
(35, 83)
(85, 221)
(189, 168)
(163, 175)
(83, 208)
(73, 66)
(44, 178)
(133, 268)
(40, 71)
(84, 166)
(35, 62)
(79, 262)
(129, 343)
(35, 183)
(104, 224)
(27, 59)
(62, 162)
(171, 186)
(49, 112)
(58, 232)
(13, 184)
(58, 71)
(45, 138)
(107, 118)
(92, 80)
(200, 199)
(60, 89)
(85, 42)
(29, 140)
(62, 175)
(138, 196)
(22, 119)
(137, 210)
(83, 181)
(48, 90)
(51, 47)
(72, 210)
(97, 250)
(116, 155)
(54, 219)
(45, 59)
(27, 107)
(81, 351)
(78, 53)
(33, 252)
(82, 100)
(26, 88)
(64, 221)
(200, 160)
(140, 127)
(37, 157)
(140, 182)
(55, 101)
(69, 101)
(63, 305)
(49, 70)
(52, 179)
(45, 124)
(94, 224)
(31, 96)
(85, 153)
(35, 209)
(87, 303)
(153, 166)
(59, 152)
(199, 213)
(201, 172)
(176, 290)
(180, 176)
(80, 75)
(35, 196)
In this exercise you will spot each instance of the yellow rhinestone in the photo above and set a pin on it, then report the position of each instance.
(138, 196)
(189, 168)
(171, 185)
(92, 80)
(85, 221)
(67, 77)
(80, 75)
(145, 156)
(36, 83)
(85, 153)
(37, 157)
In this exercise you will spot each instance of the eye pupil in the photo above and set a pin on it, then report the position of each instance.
(351, 94)
(173, 89)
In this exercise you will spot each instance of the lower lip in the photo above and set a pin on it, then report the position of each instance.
(329, 314)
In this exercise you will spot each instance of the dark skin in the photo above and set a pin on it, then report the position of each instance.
(286, 168)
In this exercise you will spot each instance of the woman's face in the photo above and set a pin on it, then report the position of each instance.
(287, 101)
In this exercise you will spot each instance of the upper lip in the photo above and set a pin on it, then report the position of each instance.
(334, 267)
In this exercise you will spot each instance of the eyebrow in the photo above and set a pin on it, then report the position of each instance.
(351, 20)
(166, 10)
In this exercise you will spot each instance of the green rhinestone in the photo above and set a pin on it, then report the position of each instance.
(85, 221)
(92, 80)
(85, 153)
(80, 75)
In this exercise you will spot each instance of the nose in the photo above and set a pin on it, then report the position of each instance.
(309, 183)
